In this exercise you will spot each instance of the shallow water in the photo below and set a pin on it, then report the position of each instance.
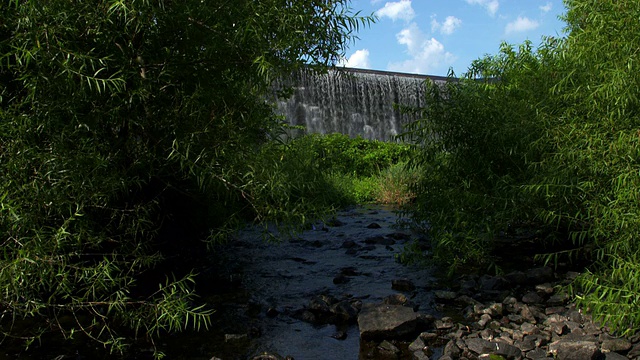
(285, 276)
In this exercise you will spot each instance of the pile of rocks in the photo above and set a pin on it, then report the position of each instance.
(533, 320)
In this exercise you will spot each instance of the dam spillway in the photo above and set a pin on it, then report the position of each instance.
(354, 102)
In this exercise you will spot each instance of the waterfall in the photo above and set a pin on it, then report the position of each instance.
(353, 102)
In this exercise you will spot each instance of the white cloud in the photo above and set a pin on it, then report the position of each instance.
(521, 24)
(426, 54)
(359, 59)
(450, 24)
(397, 10)
(490, 5)
(547, 7)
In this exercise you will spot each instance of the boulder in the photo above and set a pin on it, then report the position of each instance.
(574, 350)
(380, 321)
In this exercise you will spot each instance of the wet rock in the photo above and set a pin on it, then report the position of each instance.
(380, 321)
(444, 324)
(374, 226)
(388, 347)
(445, 296)
(322, 303)
(340, 335)
(574, 350)
(379, 240)
(399, 236)
(304, 315)
(340, 279)
(348, 244)
(346, 311)
(402, 285)
(272, 312)
(334, 223)
(235, 337)
(396, 299)
(349, 271)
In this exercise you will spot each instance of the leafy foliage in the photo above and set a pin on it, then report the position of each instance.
(120, 119)
(545, 139)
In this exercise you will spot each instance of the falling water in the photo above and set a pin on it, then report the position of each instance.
(353, 101)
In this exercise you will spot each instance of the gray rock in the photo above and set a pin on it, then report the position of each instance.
(388, 347)
(396, 299)
(574, 350)
(614, 356)
(532, 298)
(380, 321)
(417, 345)
(537, 354)
(379, 240)
(402, 285)
(452, 349)
(516, 277)
(616, 345)
(540, 275)
(444, 295)
(480, 346)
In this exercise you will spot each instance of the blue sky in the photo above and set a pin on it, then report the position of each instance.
(431, 36)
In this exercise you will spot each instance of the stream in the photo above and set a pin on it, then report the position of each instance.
(257, 287)
(352, 257)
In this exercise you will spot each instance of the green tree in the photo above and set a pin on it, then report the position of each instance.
(119, 117)
(551, 142)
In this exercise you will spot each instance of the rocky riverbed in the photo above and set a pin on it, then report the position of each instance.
(336, 291)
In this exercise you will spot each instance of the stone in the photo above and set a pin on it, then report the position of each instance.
(574, 350)
(444, 296)
(399, 236)
(346, 311)
(340, 335)
(516, 278)
(444, 324)
(558, 300)
(452, 349)
(537, 354)
(348, 244)
(493, 283)
(402, 285)
(388, 347)
(614, 356)
(532, 298)
(540, 275)
(234, 337)
(480, 346)
(545, 288)
(380, 321)
(374, 226)
(396, 299)
(417, 345)
(379, 240)
(616, 345)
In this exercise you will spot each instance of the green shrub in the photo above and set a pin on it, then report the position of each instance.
(546, 139)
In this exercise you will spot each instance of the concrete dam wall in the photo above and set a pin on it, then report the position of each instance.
(354, 102)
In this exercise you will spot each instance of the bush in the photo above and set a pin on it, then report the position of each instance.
(545, 139)
(123, 119)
